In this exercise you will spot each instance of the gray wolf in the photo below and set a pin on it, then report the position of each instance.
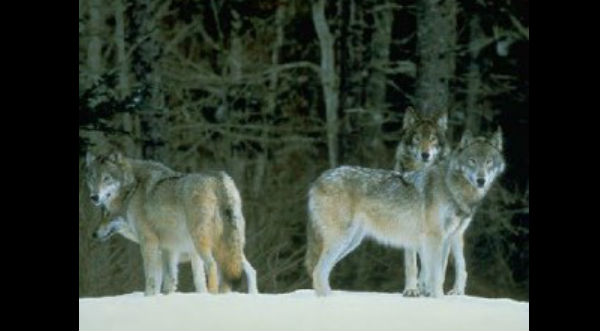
(198, 214)
(475, 165)
(422, 144)
(347, 204)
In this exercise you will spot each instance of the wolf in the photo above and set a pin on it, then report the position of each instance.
(349, 203)
(199, 214)
(476, 164)
(422, 144)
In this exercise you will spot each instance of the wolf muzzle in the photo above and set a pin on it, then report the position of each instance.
(103, 235)
(106, 231)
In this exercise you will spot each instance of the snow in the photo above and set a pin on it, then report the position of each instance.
(300, 310)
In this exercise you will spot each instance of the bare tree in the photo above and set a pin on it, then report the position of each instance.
(126, 121)
(95, 28)
(271, 97)
(436, 42)
(329, 79)
(144, 18)
(380, 44)
(474, 86)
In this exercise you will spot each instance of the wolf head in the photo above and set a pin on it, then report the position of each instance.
(424, 138)
(110, 226)
(106, 175)
(479, 159)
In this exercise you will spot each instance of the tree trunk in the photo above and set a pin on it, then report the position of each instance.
(94, 56)
(126, 120)
(145, 57)
(436, 40)
(271, 98)
(473, 105)
(122, 63)
(329, 78)
(376, 84)
(238, 161)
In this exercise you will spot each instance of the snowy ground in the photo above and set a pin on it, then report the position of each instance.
(300, 310)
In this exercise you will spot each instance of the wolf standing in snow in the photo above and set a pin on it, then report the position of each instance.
(475, 165)
(423, 143)
(347, 204)
(198, 214)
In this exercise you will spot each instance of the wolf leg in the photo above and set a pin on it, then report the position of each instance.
(198, 273)
(423, 278)
(325, 264)
(224, 284)
(432, 259)
(170, 261)
(356, 236)
(250, 275)
(204, 245)
(330, 257)
(210, 266)
(423, 284)
(445, 255)
(460, 268)
(166, 273)
(410, 271)
(152, 266)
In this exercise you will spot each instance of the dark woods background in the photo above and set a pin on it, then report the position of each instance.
(275, 92)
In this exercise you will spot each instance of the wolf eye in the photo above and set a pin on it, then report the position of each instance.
(105, 178)
(434, 139)
(416, 139)
(471, 161)
(488, 162)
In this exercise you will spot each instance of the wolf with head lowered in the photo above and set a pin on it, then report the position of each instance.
(172, 214)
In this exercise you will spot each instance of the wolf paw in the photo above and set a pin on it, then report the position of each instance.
(425, 292)
(455, 291)
(169, 286)
(151, 288)
(411, 292)
(323, 292)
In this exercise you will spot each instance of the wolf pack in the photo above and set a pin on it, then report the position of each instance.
(423, 205)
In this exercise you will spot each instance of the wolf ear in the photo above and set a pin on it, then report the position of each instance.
(89, 158)
(410, 117)
(442, 121)
(496, 139)
(466, 139)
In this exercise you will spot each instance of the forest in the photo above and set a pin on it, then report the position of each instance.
(274, 92)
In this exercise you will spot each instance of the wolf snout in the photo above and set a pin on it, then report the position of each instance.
(99, 235)
(480, 182)
(425, 156)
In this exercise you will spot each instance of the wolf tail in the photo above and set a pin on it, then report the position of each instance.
(231, 254)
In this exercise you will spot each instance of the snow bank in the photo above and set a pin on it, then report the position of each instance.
(300, 310)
